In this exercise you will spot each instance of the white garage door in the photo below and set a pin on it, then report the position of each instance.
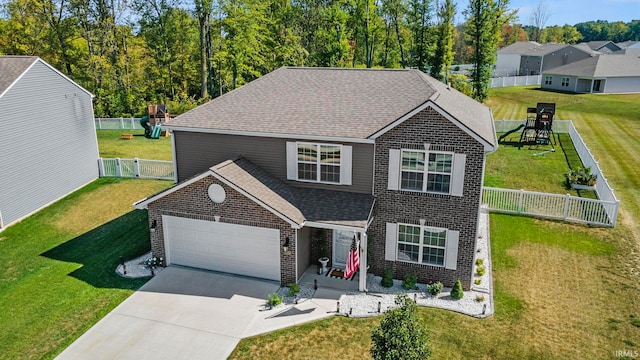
(236, 249)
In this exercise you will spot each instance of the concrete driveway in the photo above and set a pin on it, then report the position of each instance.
(192, 314)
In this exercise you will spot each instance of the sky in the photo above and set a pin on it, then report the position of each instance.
(571, 11)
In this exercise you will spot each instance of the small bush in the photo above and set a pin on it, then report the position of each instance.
(480, 270)
(387, 279)
(410, 281)
(477, 281)
(434, 288)
(456, 292)
(293, 289)
(479, 298)
(479, 261)
(274, 300)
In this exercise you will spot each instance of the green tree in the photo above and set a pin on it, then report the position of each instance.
(486, 19)
(418, 22)
(401, 335)
(445, 33)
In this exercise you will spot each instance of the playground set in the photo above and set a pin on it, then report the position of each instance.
(537, 129)
(152, 122)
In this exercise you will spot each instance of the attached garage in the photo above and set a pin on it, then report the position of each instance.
(237, 249)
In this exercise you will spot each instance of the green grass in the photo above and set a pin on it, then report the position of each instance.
(112, 146)
(555, 284)
(57, 267)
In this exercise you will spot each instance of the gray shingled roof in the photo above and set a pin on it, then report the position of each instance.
(601, 66)
(11, 67)
(332, 102)
(297, 204)
(530, 48)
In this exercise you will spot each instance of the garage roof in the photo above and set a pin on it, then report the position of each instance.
(298, 204)
(295, 205)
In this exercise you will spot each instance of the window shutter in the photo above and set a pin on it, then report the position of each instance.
(451, 250)
(394, 169)
(457, 174)
(292, 160)
(391, 244)
(346, 165)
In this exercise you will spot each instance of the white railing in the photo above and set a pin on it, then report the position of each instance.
(515, 81)
(118, 124)
(548, 205)
(136, 168)
(552, 206)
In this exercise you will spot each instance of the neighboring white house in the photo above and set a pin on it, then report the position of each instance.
(48, 143)
(599, 74)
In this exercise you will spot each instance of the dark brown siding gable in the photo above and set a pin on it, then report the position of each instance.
(459, 213)
(197, 152)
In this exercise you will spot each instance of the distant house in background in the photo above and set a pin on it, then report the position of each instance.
(48, 144)
(631, 44)
(531, 58)
(599, 74)
(605, 47)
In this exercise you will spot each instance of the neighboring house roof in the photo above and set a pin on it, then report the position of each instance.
(11, 67)
(629, 52)
(293, 204)
(531, 48)
(601, 66)
(332, 103)
(627, 44)
(604, 46)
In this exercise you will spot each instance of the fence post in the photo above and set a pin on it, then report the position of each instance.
(99, 124)
(136, 167)
(566, 207)
(520, 200)
(118, 169)
(100, 167)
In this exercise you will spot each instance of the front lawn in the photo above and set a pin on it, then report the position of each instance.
(57, 267)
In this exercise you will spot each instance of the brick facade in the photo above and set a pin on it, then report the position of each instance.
(193, 201)
(445, 211)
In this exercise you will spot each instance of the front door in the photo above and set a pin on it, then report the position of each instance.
(341, 245)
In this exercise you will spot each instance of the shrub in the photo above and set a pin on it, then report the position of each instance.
(402, 334)
(477, 281)
(410, 281)
(479, 261)
(274, 299)
(581, 176)
(434, 288)
(387, 279)
(456, 292)
(480, 270)
(293, 289)
(479, 298)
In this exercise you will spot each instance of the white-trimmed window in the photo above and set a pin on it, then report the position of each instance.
(437, 172)
(565, 81)
(422, 244)
(548, 80)
(317, 162)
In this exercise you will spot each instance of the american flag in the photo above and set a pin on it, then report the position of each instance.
(353, 261)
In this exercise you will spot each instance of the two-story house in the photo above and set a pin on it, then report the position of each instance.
(294, 165)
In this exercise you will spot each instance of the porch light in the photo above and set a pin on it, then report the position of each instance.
(154, 224)
(285, 248)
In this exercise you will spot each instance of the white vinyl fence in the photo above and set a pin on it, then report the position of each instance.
(603, 212)
(136, 168)
(515, 81)
(118, 124)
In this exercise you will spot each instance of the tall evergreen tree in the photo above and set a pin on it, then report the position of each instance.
(419, 18)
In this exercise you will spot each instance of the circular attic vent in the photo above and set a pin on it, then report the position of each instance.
(217, 193)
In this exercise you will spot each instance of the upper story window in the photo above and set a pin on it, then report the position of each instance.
(548, 80)
(565, 81)
(318, 162)
(428, 173)
(437, 172)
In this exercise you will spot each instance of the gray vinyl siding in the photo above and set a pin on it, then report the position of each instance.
(197, 152)
(556, 83)
(48, 144)
(621, 85)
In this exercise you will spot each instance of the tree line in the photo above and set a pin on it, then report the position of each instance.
(133, 52)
